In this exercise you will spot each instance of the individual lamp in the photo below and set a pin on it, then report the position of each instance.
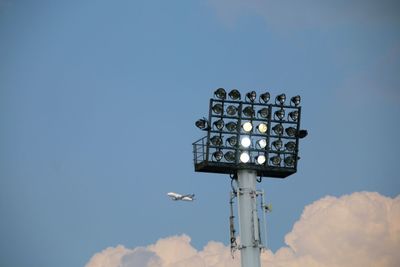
(289, 161)
(263, 112)
(231, 110)
(295, 100)
(276, 160)
(216, 140)
(202, 124)
(280, 99)
(244, 157)
(260, 159)
(294, 115)
(231, 126)
(278, 129)
(262, 128)
(290, 146)
(247, 127)
(290, 131)
(251, 96)
(280, 114)
(262, 143)
(218, 155)
(302, 134)
(220, 93)
(230, 156)
(264, 98)
(234, 94)
(245, 142)
(232, 141)
(217, 108)
(219, 124)
(248, 111)
(277, 144)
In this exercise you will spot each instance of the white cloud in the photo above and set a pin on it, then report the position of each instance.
(361, 229)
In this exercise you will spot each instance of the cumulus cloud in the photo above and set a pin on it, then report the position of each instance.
(361, 229)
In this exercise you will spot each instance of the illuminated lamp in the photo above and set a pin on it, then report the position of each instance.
(260, 159)
(245, 142)
(262, 143)
(247, 127)
(244, 157)
(262, 128)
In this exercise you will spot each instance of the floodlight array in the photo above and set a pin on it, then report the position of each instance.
(251, 133)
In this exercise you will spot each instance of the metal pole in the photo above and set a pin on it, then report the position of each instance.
(248, 219)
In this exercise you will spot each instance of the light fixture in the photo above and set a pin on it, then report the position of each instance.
(290, 131)
(277, 144)
(295, 100)
(231, 126)
(251, 96)
(216, 140)
(202, 124)
(280, 99)
(232, 141)
(278, 129)
(244, 157)
(230, 156)
(218, 155)
(276, 160)
(247, 127)
(220, 93)
(302, 134)
(219, 124)
(264, 98)
(280, 114)
(245, 141)
(234, 94)
(289, 161)
(217, 108)
(263, 112)
(294, 115)
(290, 146)
(248, 111)
(262, 143)
(260, 159)
(262, 128)
(231, 110)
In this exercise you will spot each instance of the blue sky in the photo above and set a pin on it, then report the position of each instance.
(98, 101)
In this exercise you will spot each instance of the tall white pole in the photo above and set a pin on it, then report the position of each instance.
(248, 219)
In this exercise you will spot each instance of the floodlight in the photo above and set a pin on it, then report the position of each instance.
(216, 140)
(218, 155)
(302, 133)
(262, 128)
(280, 99)
(248, 111)
(280, 114)
(264, 98)
(234, 94)
(245, 141)
(262, 143)
(230, 156)
(251, 96)
(277, 144)
(220, 93)
(290, 146)
(289, 161)
(263, 112)
(244, 157)
(219, 124)
(278, 129)
(260, 159)
(276, 160)
(217, 108)
(295, 100)
(202, 124)
(231, 110)
(231, 126)
(291, 131)
(294, 115)
(247, 127)
(232, 140)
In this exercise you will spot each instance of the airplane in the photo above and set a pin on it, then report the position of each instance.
(176, 196)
